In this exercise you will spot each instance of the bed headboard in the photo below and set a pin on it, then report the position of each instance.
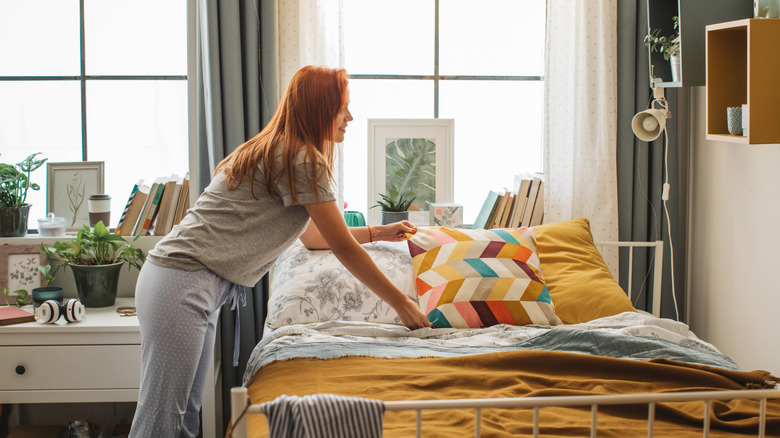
(657, 265)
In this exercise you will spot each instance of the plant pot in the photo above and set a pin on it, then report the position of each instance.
(43, 294)
(674, 63)
(97, 284)
(388, 217)
(13, 221)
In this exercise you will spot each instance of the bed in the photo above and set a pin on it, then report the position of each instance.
(552, 346)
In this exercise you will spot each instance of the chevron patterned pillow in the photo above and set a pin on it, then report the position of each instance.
(478, 278)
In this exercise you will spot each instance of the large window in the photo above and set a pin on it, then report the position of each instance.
(95, 80)
(479, 63)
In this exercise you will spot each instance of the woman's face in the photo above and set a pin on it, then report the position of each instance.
(340, 124)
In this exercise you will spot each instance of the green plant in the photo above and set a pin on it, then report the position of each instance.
(92, 247)
(667, 45)
(401, 203)
(15, 180)
(21, 297)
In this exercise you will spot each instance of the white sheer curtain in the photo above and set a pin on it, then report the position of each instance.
(309, 32)
(580, 119)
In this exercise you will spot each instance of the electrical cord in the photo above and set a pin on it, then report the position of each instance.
(665, 197)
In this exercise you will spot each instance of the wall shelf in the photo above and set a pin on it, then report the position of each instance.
(694, 16)
(743, 61)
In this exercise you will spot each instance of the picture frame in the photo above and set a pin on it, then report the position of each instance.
(389, 169)
(69, 185)
(19, 268)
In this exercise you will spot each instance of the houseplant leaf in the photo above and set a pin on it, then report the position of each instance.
(410, 170)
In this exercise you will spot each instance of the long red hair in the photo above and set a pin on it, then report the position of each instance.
(303, 122)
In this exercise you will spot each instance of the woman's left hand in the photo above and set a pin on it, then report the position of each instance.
(395, 232)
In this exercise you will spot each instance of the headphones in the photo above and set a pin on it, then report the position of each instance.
(50, 311)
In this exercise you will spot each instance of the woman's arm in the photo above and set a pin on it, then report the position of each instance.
(327, 217)
(312, 238)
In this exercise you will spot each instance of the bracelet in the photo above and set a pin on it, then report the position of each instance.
(370, 236)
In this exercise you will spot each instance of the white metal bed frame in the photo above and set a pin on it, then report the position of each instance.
(241, 405)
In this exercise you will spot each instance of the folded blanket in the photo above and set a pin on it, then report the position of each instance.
(324, 415)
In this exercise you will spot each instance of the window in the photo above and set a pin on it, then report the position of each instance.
(480, 63)
(95, 80)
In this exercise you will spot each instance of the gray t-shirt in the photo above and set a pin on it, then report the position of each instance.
(235, 235)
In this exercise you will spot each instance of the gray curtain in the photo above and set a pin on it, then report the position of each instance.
(229, 113)
(641, 167)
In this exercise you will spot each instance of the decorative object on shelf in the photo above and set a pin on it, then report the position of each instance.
(14, 184)
(19, 272)
(412, 156)
(51, 226)
(766, 9)
(46, 293)
(354, 218)
(96, 257)
(99, 207)
(734, 120)
(68, 185)
(394, 209)
(668, 46)
(446, 215)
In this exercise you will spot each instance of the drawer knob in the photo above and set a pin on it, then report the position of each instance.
(20, 369)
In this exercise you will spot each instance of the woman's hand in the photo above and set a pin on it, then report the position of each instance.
(411, 316)
(394, 232)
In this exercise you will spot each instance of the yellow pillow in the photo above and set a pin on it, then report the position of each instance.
(579, 281)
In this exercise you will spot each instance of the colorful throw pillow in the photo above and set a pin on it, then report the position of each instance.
(579, 280)
(313, 286)
(478, 278)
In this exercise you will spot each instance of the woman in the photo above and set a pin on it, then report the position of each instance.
(260, 200)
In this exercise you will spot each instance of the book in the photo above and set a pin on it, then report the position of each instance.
(486, 211)
(167, 205)
(14, 315)
(504, 219)
(150, 207)
(529, 206)
(129, 202)
(137, 201)
(520, 201)
(499, 210)
(183, 203)
(538, 215)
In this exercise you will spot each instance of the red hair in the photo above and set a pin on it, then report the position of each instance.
(303, 122)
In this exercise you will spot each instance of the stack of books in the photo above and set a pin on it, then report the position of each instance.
(521, 207)
(153, 210)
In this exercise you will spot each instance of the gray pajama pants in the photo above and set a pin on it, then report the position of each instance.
(177, 312)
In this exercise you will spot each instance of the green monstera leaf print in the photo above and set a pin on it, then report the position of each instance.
(410, 168)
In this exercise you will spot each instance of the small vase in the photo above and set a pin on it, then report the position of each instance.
(13, 221)
(675, 64)
(43, 294)
(388, 217)
(97, 284)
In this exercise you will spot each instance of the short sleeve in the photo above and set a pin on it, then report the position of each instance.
(303, 185)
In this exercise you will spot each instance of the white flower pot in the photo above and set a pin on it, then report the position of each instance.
(674, 61)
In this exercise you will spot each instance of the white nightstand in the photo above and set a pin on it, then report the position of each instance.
(94, 360)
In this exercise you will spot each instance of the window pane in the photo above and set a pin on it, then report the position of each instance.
(389, 37)
(377, 99)
(143, 37)
(498, 134)
(39, 38)
(497, 37)
(139, 128)
(40, 116)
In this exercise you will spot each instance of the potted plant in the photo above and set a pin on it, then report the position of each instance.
(668, 46)
(394, 209)
(96, 257)
(14, 184)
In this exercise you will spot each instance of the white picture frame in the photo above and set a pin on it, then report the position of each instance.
(384, 132)
(69, 185)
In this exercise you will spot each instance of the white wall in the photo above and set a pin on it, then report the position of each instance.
(735, 245)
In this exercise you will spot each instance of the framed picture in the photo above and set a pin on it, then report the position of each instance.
(69, 185)
(411, 156)
(19, 268)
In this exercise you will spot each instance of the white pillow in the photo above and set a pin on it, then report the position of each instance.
(313, 286)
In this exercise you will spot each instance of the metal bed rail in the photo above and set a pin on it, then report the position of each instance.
(657, 267)
(241, 406)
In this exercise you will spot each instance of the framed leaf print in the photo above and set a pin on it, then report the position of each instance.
(411, 157)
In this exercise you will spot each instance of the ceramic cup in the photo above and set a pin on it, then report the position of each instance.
(99, 209)
(734, 120)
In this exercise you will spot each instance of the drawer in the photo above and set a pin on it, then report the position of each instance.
(55, 367)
